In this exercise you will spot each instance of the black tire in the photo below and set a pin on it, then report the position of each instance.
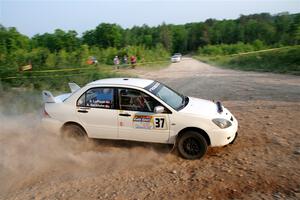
(74, 131)
(192, 145)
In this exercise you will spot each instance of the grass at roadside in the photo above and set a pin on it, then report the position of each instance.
(55, 80)
(126, 70)
(281, 60)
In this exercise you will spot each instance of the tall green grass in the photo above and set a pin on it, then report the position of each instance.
(52, 71)
(281, 60)
(57, 81)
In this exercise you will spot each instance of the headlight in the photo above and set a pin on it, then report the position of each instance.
(222, 123)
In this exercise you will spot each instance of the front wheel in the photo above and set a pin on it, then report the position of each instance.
(192, 145)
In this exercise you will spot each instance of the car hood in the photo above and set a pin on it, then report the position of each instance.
(200, 107)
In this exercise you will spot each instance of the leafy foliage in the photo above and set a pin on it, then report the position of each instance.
(228, 49)
(65, 49)
(280, 60)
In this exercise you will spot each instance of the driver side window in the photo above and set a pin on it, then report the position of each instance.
(134, 100)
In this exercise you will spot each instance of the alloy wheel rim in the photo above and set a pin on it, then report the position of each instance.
(191, 146)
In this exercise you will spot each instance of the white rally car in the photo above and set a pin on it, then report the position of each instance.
(140, 110)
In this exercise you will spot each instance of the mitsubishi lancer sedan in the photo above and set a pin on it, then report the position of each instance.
(140, 110)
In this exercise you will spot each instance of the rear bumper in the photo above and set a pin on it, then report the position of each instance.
(52, 125)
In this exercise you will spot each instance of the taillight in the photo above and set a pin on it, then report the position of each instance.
(45, 114)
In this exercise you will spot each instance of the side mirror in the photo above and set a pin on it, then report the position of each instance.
(159, 109)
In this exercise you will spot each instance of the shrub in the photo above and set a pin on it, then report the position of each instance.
(228, 49)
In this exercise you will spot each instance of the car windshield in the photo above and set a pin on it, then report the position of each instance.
(169, 96)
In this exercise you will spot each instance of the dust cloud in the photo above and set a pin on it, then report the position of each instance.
(29, 153)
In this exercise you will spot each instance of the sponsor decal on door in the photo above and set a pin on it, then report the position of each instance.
(149, 122)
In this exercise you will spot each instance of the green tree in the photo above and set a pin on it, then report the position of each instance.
(108, 35)
(197, 36)
(88, 37)
(179, 39)
(51, 60)
(62, 58)
(57, 41)
(297, 35)
(83, 54)
(11, 40)
(165, 36)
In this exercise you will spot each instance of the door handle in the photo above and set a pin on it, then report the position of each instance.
(125, 114)
(82, 111)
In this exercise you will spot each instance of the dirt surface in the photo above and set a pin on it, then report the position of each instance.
(264, 163)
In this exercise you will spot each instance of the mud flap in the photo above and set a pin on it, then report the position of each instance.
(236, 134)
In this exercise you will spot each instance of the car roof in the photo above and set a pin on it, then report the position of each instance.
(138, 82)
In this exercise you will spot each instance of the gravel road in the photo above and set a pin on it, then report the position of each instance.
(194, 78)
(262, 164)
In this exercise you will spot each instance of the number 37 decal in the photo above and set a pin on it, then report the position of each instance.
(160, 123)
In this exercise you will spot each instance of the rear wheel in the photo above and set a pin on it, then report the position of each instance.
(73, 131)
(192, 145)
(75, 137)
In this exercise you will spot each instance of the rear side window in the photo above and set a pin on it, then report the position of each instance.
(97, 98)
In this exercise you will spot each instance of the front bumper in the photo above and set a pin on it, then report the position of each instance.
(222, 137)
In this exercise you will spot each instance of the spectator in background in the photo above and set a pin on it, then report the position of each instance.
(116, 62)
(133, 61)
(125, 60)
(95, 61)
